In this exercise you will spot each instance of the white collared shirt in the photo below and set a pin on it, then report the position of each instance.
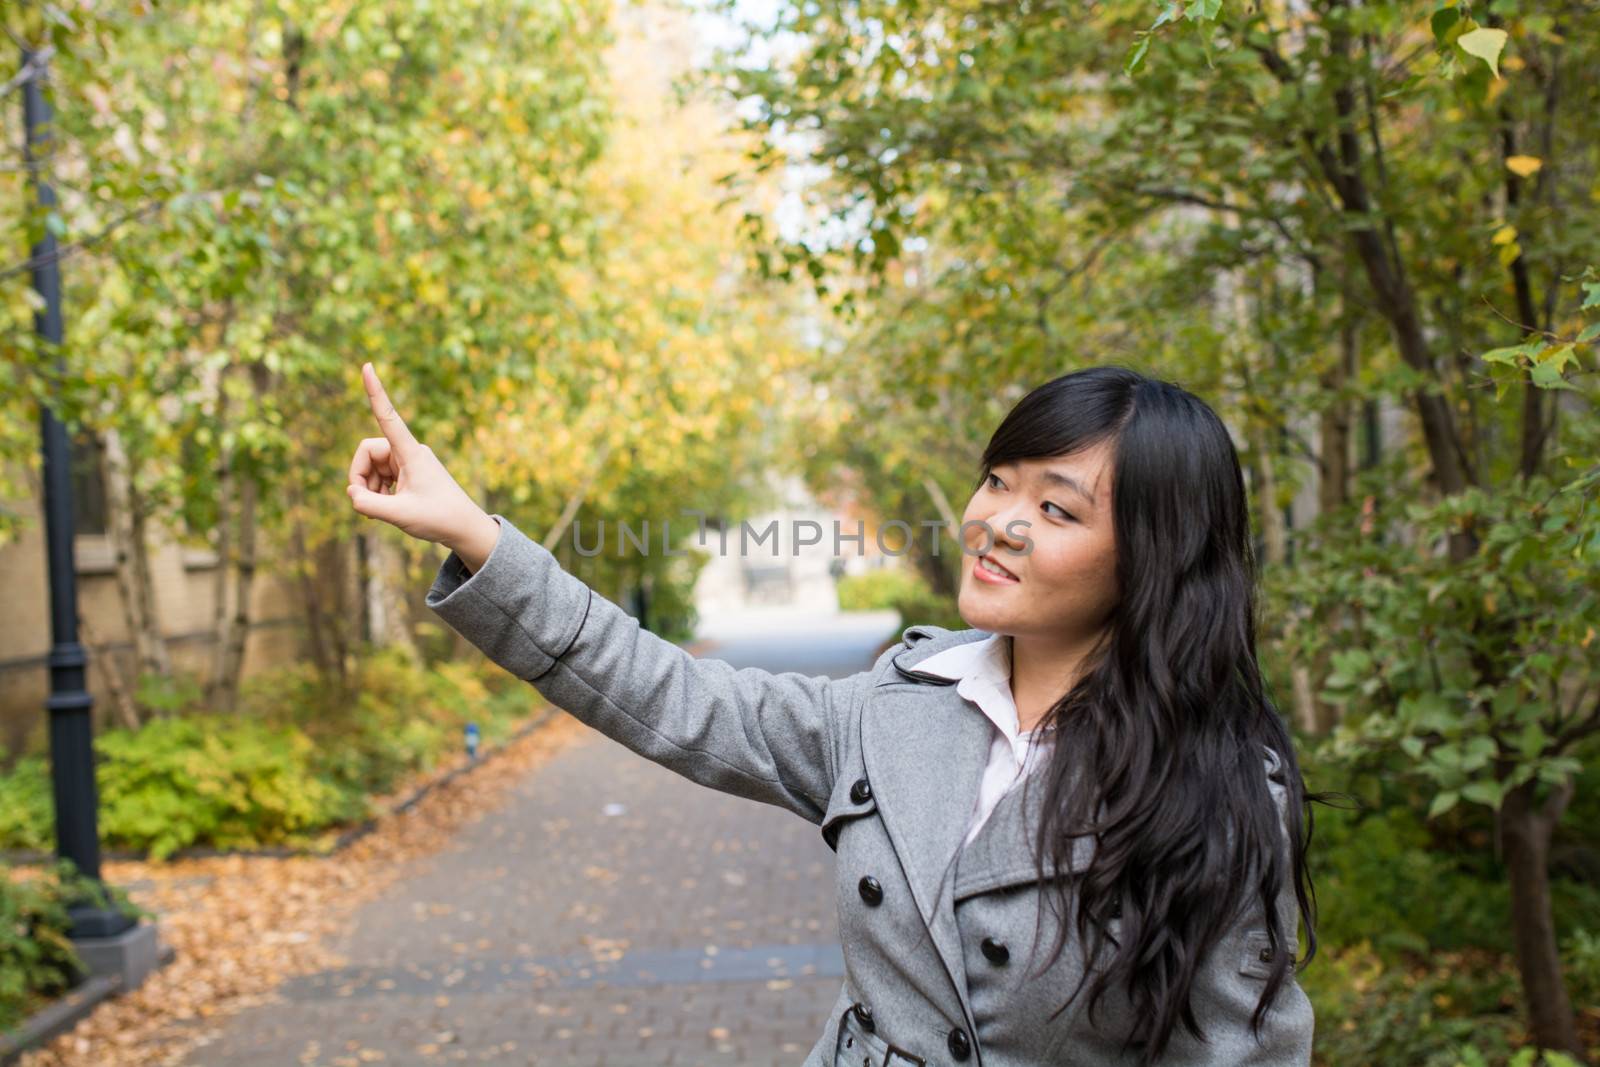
(982, 670)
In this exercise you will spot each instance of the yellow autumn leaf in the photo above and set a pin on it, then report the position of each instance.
(1523, 166)
(1504, 235)
(1486, 44)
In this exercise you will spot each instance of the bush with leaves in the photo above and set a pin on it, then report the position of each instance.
(1468, 680)
(37, 959)
(1412, 939)
(26, 806)
(300, 759)
(903, 590)
(880, 588)
(230, 783)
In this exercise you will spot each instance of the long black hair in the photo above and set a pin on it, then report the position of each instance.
(1161, 741)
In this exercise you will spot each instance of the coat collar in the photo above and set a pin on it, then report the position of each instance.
(988, 658)
(923, 642)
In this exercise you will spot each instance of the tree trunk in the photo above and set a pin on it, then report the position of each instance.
(332, 570)
(236, 525)
(235, 631)
(1336, 454)
(1333, 487)
(219, 590)
(1525, 827)
(1274, 529)
(154, 657)
(99, 656)
(388, 623)
(129, 523)
(311, 586)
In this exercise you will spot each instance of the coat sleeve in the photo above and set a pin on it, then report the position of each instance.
(765, 736)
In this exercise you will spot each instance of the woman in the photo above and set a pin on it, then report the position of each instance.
(1134, 900)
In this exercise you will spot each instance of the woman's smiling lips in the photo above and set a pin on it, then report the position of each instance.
(984, 574)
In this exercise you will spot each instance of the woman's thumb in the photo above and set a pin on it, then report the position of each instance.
(372, 505)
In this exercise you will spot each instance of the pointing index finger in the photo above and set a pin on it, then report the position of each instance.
(394, 427)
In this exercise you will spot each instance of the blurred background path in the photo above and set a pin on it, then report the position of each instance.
(612, 913)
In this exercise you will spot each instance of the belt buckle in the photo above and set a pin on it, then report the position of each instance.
(898, 1055)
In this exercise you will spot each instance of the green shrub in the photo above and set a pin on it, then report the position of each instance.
(37, 959)
(231, 783)
(405, 719)
(27, 805)
(1414, 959)
(1580, 957)
(1377, 879)
(900, 589)
(300, 758)
(1372, 1012)
(926, 606)
(673, 615)
(878, 589)
(173, 694)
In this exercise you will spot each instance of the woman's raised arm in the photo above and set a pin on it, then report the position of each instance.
(768, 737)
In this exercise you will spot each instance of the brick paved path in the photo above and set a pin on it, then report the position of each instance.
(611, 914)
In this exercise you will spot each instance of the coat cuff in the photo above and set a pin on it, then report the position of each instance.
(521, 608)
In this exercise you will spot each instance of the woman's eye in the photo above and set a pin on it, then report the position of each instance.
(1064, 513)
(992, 479)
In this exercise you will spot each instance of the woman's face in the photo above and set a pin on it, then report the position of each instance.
(1064, 587)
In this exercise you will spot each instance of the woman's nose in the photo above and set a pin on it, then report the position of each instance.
(1003, 528)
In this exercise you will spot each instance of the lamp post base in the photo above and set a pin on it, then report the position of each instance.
(131, 954)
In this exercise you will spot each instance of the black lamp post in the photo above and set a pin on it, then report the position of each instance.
(71, 733)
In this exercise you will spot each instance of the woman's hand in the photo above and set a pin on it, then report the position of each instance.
(398, 479)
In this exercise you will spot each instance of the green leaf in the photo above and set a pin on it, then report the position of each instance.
(1443, 20)
(1510, 355)
(1442, 803)
(1486, 44)
(1589, 333)
(1548, 376)
(1476, 753)
(1136, 56)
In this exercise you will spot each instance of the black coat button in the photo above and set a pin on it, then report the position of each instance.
(871, 891)
(861, 792)
(960, 1047)
(864, 1014)
(995, 951)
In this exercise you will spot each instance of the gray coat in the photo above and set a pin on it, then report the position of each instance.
(887, 763)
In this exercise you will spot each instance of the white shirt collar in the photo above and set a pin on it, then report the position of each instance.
(982, 672)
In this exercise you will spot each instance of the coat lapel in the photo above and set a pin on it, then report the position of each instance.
(1001, 855)
(925, 748)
